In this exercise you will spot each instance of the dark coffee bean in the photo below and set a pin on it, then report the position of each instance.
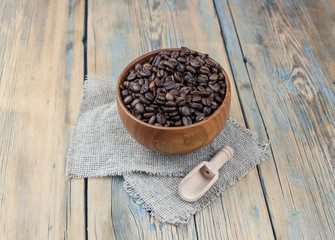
(136, 101)
(131, 76)
(204, 70)
(195, 63)
(156, 61)
(169, 64)
(150, 109)
(201, 89)
(135, 87)
(175, 92)
(196, 99)
(175, 118)
(191, 69)
(152, 119)
(218, 98)
(181, 103)
(202, 78)
(178, 76)
(200, 117)
(138, 67)
(196, 93)
(144, 99)
(154, 105)
(222, 93)
(145, 73)
(207, 111)
(141, 81)
(173, 114)
(169, 96)
(216, 87)
(194, 104)
(221, 76)
(188, 98)
(125, 93)
(177, 123)
(128, 99)
(181, 59)
(206, 101)
(186, 121)
(185, 51)
(185, 111)
(139, 108)
(175, 54)
(148, 115)
(171, 104)
(210, 62)
(214, 105)
(161, 102)
(214, 77)
(170, 85)
(149, 96)
(170, 109)
(161, 118)
(144, 88)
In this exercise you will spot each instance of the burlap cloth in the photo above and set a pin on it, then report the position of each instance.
(100, 146)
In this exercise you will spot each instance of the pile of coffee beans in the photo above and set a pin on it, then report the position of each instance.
(174, 88)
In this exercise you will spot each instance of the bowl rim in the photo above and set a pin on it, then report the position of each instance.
(173, 128)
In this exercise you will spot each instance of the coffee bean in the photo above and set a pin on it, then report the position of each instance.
(150, 109)
(169, 96)
(136, 101)
(128, 100)
(144, 99)
(195, 63)
(160, 118)
(131, 76)
(139, 108)
(191, 69)
(174, 88)
(125, 93)
(214, 77)
(185, 111)
(171, 104)
(169, 64)
(186, 121)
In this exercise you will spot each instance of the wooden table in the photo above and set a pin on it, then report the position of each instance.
(281, 57)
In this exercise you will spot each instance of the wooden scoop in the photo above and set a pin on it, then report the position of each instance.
(203, 176)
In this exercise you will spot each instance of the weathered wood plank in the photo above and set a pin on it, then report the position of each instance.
(41, 72)
(289, 97)
(120, 31)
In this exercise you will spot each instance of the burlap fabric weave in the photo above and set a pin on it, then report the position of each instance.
(100, 146)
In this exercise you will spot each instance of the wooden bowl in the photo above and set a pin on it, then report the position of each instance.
(172, 140)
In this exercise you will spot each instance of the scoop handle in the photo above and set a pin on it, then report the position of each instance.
(221, 157)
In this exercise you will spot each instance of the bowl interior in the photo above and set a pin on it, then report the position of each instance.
(145, 58)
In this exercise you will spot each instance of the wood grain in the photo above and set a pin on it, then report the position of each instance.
(118, 33)
(287, 92)
(41, 74)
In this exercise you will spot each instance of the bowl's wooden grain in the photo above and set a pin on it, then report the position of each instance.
(172, 140)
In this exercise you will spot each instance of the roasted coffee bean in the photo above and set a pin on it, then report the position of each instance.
(191, 69)
(216, 87)
(174, 88)
(185, 111)
(161, 118)
(131, 76)
(186, 121)
(214, 77)
(169, 64)
(144, 88)
(195, 63)
(152, 119)
(144, 99)
(148, 114)
(196, 99)
(136, 101)
(171, 104)
(149, 96)
(169, 96)
(139, 108)
(125, 93)
(150, 109)
(128, 99)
